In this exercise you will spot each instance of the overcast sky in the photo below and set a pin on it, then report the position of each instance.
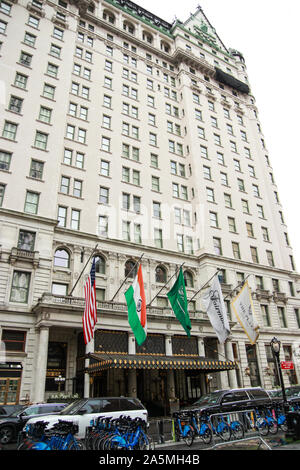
(267, 34)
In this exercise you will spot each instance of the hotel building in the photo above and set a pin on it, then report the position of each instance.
(128, 135)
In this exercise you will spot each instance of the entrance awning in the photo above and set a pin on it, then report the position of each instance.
(100, 361)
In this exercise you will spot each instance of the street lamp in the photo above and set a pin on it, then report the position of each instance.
(275, 346)
(60, 380)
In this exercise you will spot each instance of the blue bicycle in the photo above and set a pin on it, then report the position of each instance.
(183, 429)
(200, 426)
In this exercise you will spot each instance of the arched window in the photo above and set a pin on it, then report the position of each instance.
(62, 258)
(129, 27)
(100, 265)
(160, 274)
(109, 16)
(128, 267)
(188, 279)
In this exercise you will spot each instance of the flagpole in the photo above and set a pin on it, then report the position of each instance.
(240, 284)
(166, 284)
(128, 276)
(83, 269)
(204, 285)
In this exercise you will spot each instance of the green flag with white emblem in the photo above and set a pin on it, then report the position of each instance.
(178, 301)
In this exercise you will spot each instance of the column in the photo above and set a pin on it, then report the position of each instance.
(201, 352)
(41, 365)
(88, 349)
(132, 384)
(231, 373)
(223, 375)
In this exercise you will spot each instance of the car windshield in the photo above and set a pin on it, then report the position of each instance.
(73, 407)
(209, 399)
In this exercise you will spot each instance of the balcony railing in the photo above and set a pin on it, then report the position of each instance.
(17, 254)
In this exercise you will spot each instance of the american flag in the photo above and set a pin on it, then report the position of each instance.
(89, 318)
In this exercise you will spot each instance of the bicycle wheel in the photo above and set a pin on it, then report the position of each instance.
(145, 443)
(206, 436)
(263, 427)
(189, 438)
(237, 430)
(273, 427)
(224, 431)
(76, 444)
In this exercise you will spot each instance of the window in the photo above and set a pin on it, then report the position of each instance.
(130, 269)
(103, 226)
(270, 258)
(31, 202)
(26, 240)
(104, 167)
(207, 172)
(265, 315)
(137, 204)
(188, 279)
(155, 183)
(48, 91)
(160, 274)
(105, 144)
(14, 340)
(220, 158)
(254, 254)
(45, 114)
(5, 159)
(158, 241)
(55, 50)
(213, 217)
(77, 188)
(249, 228)
(75, 219)
(217, 246)
(104, 195)
(20, 287)
(62, 216)
(137, 233)
(210, 195)
(5, 7)
(59, 289)
(241, 184)
(227, 199)
(231, 224)
(36, 169)
(41, 140)
(245, 206)
(58, 33)
(224, 179)
(126, 230)
(62, 258)
(255, 190)
(281, 316)
(3, 26)
(236, 250)
(33, 21)
(156, 209)
(265, 234)
(2, 190)
(100, 265)
(10, 130)
(65, 185)
(21, 80)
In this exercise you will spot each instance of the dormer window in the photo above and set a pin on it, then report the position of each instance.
(109, 16)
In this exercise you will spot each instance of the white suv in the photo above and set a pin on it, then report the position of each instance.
(82, 411)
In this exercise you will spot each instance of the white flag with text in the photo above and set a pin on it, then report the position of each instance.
(244, 311)
(215, 308)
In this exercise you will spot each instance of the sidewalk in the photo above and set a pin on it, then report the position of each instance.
(276, 442)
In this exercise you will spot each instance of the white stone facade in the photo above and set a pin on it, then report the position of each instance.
(116, 132)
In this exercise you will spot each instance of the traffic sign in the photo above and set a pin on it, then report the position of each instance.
(287, 365)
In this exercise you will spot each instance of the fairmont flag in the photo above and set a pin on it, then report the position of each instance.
(89, 318)
(244, 311)
(178, 301)
(215, 308)
(136, 303)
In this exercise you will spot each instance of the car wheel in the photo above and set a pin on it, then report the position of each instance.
(6, 434)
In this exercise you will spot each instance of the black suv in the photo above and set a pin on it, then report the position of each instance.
(232, 400)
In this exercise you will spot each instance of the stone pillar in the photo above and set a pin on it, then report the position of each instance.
(201, 352)
(231, 373)
(223, 375)
(168, 345)
(132, 385)
(88, 349)
(41, 365)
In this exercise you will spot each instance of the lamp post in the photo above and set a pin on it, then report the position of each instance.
(275, 346)
(60, 380)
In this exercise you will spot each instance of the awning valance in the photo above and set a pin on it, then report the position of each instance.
(101, 361)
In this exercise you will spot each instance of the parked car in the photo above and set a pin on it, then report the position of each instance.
(232, 400)
(82, 411)
(291, 392)
(6, 410)
(12, 424)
